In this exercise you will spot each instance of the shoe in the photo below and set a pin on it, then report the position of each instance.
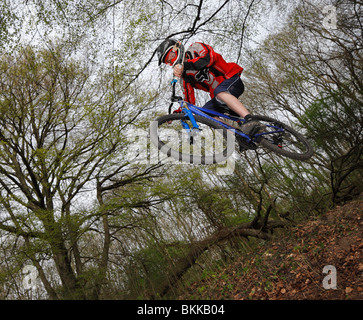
(252, 127)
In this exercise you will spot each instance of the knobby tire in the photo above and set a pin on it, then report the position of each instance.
(266, 142)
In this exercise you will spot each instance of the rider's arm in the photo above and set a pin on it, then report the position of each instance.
(188, 92)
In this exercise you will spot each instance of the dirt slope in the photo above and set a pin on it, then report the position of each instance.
(291, 267)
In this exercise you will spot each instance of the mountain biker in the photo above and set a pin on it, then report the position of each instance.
(205, 69)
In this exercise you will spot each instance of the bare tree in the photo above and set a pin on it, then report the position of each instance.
(62, 149)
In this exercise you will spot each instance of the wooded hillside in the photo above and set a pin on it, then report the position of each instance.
(292, 266)
(87, 213)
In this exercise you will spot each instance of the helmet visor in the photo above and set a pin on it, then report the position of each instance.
(170, 57)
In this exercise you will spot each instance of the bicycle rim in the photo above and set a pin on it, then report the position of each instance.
(211, 144)
(288, 143)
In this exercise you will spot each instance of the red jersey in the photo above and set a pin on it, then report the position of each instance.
(205, 69)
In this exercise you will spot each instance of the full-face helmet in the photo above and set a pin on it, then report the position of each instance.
(168, 51)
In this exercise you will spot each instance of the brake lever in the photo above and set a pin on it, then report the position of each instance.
(176, 98)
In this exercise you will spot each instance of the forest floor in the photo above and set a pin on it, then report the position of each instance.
(291, 266)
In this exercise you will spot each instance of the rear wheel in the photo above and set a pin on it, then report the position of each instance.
(174, 136)
(284, 140)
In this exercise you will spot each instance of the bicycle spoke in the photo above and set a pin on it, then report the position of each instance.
(284, 140)
(204, 145)
(194, 142)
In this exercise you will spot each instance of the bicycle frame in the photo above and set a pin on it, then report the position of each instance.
(189, 109)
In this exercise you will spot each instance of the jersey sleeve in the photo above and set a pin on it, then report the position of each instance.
(189, 95)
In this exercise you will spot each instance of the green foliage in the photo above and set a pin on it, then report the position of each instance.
(150, 266)
(335, 122)
(99, 223)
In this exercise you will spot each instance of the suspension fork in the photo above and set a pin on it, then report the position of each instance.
(189, 114)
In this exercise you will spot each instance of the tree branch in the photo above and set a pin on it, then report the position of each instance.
(197, 248)
(243, 30)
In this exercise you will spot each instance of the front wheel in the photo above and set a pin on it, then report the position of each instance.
(283, 140)
(174, 135)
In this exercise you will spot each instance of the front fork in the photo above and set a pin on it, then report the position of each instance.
(195, 128)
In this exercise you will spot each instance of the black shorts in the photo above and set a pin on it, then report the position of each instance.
(234, 86)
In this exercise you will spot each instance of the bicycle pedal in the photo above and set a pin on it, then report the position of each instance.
(250, 146)
(244, 145)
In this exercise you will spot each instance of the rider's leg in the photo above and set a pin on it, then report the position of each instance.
(233, 103)
(217, 105)
(228, 92)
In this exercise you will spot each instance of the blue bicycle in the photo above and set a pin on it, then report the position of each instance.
(201, 136)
